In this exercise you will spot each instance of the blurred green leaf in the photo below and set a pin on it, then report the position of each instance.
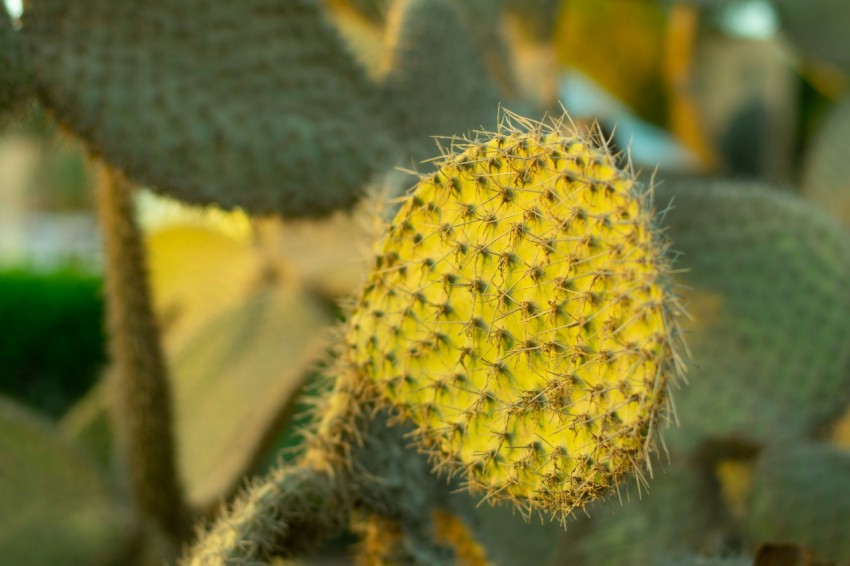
(235, 385)
(54, 507)
(236, 382)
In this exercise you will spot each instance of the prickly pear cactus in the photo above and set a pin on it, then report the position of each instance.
(436, 82)
(254, 104)
(768, 280)
(799, 496)
(520, 314)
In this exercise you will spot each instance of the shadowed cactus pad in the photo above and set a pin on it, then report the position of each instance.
(799, 496)
(519, 314)
(254, 104)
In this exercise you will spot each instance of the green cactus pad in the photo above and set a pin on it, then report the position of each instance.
(819, 29)
(676, 515)
(768, 287)
(799, 496)
(826, 175)
(54, 506)
(253, 104)
(519, 314)
(437, 85)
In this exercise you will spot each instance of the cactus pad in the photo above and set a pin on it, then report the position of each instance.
(437, 84)
(255, 104)
(800, 496)
(519, 314)
(766, 273)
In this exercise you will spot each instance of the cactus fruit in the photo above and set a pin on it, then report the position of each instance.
(799, 496)
(519, 313)
(428, 44)
(254, 104)
(826, 174)
(767, 273)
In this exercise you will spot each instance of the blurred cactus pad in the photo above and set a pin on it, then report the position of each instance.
(520, 312)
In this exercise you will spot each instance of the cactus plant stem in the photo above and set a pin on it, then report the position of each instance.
(142, 407)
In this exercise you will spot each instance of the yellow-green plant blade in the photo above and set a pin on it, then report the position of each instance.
(54, 506)
(254, 104)
(196, 273)
(87, 424)
(519, 314)
(234, 382)
(826, 173)
(766, 279)
(799, 496)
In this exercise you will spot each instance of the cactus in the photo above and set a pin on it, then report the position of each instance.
(679, 513)
(745, 252)
(427, 39)
(767, 272)
(799, 496)
(817, 27)
(520, 321)
(519, 313)
(182, 116)
(142, 408)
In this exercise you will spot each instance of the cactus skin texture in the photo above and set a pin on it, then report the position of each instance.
(519, 313)
(429, 44)
(799, 496)
(237, 104)
(766, 274)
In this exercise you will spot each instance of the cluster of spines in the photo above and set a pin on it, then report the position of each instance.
(519, 314)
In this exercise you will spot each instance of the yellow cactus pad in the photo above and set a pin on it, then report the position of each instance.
(519, 313)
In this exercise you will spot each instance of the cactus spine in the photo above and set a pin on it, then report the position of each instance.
(519, 313)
